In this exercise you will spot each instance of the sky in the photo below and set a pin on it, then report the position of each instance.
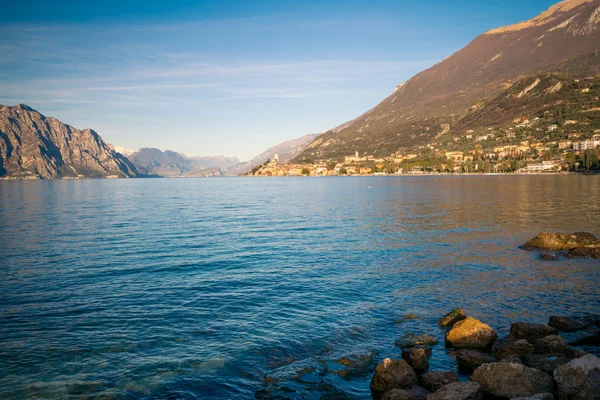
(230, 77)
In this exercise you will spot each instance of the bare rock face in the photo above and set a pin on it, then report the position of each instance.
(471, 359)
(579, 379)
(531, 332)
(417, 357)
(510, 380)
(33, 146)
(471, 333)
(392, 374)
(458, 391)
(435, 380)
(452, 317)
(509, 347)
(414, 393)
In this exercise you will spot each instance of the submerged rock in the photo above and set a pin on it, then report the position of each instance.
(412, 340)
(452, 317)
(471, 333)
(531, 332)
(471, 359)
(414, 393)
(458, 391)
(579, 379)
(511, 347)
(417, 357)
(570, 324)
(588, 337)
(510, 380)
(550, 256)
(392, 374)
(434, 380)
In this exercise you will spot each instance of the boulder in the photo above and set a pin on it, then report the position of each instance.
(531, 332)
(554, 344)
(417, 357)
(592, 251)
(452, 317)
(579, 379)
(559, 241)
(570, 324)
(509, 347)
(541, 396)
(588, 337)
(412, 340)
(434, 380)
(458, 391)
(545, 362)
(471, 359)
(414, 393)
(392, 374)
(550, 256)
(470, 333)
(512, 380)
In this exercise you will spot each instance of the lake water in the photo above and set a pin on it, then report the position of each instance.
(244, 288)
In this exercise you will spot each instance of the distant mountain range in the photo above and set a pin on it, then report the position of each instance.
(430, 106)
(154, 162)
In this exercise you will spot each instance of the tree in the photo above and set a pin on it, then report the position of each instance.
(343, 171)
(305, 171)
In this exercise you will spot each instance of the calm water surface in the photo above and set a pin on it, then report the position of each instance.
(236, 288)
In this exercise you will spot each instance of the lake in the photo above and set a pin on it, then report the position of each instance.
(249, 288)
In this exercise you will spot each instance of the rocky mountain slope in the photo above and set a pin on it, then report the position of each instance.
(286, 151)
(33, 146)
(157, 163)
(430, 106)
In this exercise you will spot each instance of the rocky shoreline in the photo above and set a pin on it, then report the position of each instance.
(535, 361)
(557, 245)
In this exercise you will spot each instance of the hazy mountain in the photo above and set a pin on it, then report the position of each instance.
(286, 150)
(566, 39)
(33, 146)
(222, 162)
(154, 162)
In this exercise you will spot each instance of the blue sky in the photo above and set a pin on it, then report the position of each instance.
(227, 77)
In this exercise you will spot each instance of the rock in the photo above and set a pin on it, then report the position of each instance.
(509, 347)
(559, 241)
(545, 362)
(586, 252)
(579, 379)
(550, 256)
(452, 317)
(511, 360)
(392, 374)
(541, 396)
(570, 324)
(434, 380)
(407, 317)
(531, 332)
(417, 357)
(471, 359)
(458, 391)
(414, 393)
(554, 344)
(589, 337)
(512, 380)
(411, 340)
(470, 333)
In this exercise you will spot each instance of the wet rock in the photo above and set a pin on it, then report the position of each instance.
(509, 347)
(407, 317)
(434, 380)
(414, 393)
(392, 374)
(452, 317)
(412, 340)
(510, 380)
(559, 241)
(586, 252)
(545, 362)
(550, 256)
(531, 332)
(471, 359)
(417, 357)
(588, 337)
(458, 391)
(554, 344)
(579, 379)
(570, 324)
(355, 365)
(511, 360)
(470, 333)
(541, 396)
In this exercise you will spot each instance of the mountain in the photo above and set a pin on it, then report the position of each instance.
(33, 146)
(154, 162)
(430, 106)
(286, 151)
(222, 162)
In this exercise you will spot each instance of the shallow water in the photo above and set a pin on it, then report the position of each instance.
(236, 288)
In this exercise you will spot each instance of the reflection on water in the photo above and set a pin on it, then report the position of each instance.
(232, 287)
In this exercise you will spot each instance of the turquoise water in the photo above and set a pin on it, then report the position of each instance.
(244, 288)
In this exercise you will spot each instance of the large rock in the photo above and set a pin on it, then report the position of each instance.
(458, 391)
(541, 396)
(392, 374)
(471, 333)
(471, 359)
(417, 357)
(559, 241)
(531, 332)
(545, 362)
(554, 344)
(414, 393)
(452, 317)
(509, 347)
(579, 379)
(591, 251)
(512, 380)
(588, 337)
(570, 324)
(434, 380)
(412, 340)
